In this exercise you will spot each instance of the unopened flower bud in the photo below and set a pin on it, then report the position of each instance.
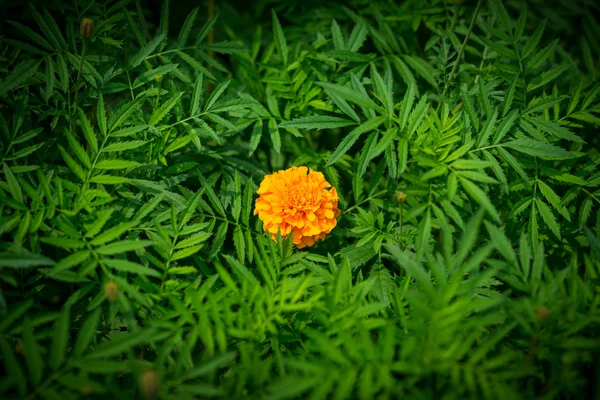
(542, 313)
(111, 291)
(158, 77)
(19, 348)
(401, 197)
(86, 390)
(86, 28)
(568, 358)
(148, 383)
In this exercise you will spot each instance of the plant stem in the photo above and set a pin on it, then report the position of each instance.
(211, 40)
(401, 223)
(79, 75)
(462, 49)
(158, 94)
(364, 201)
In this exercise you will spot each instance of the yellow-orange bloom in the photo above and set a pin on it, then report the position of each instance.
(297, 200)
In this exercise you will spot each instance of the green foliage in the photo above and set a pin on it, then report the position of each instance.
(462, 141)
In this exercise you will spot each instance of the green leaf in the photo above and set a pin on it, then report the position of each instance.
(353, 136)
(134, 268)
(33, 358)
(215, 95)
(501, 242)
(208, 366)
(256, 136)
(349, 94)
(129, 131)
(553, 199)
(206, 28)
(406, 107)
(247, 202)
(32, 35)
(357, 36)
(145, 51)
(547, 76)
(344, 106)
(545, 151)
(505, 126)
(274, 135)
(555, 130)
(240, 270)
(219, 240)
(593, 241)
(479, 196)
(101, 115)
(12, 260)
(86, 333)
(60, 340)
(214, 200)
(412, 267)
(122, 146)
(17, 311)
(547, 216)
(424, 234)
(336, 34)
(417, 115)
(196, 95)
(126, 342)
(533, 40)
(109, 179)
(192, 62)
(384, 93)
(487, 129)
(13, 186)
(318, 122)
(63, 242)
(508, 98)
(13, 370)
(160, 113)
(584, 213)
(236, 207)
(73, 166)
(186, 28)
(70, 261)
(366, 155)
(186, 252)
(239, 243)
(423, 68)
(116, 164)
(123, 246)
(88, 132)
(541, 55)
(280, 41)
(18, 76)
(151, 75)
(112, 233)
(78, 150)
(385, 143)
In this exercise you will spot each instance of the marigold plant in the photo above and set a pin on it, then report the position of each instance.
(462, 140)
(297, 200)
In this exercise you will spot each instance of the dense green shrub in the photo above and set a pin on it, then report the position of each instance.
(461, 138)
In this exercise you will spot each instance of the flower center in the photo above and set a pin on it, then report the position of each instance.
(299, 198)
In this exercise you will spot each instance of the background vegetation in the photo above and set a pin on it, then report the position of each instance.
(461, 137)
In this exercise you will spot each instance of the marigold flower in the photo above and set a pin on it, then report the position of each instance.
(297, 200)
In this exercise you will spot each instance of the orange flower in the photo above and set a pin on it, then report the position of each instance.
(297, 200)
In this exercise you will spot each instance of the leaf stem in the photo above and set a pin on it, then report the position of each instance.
(83, 51)
(462, 49)
(364, 201)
